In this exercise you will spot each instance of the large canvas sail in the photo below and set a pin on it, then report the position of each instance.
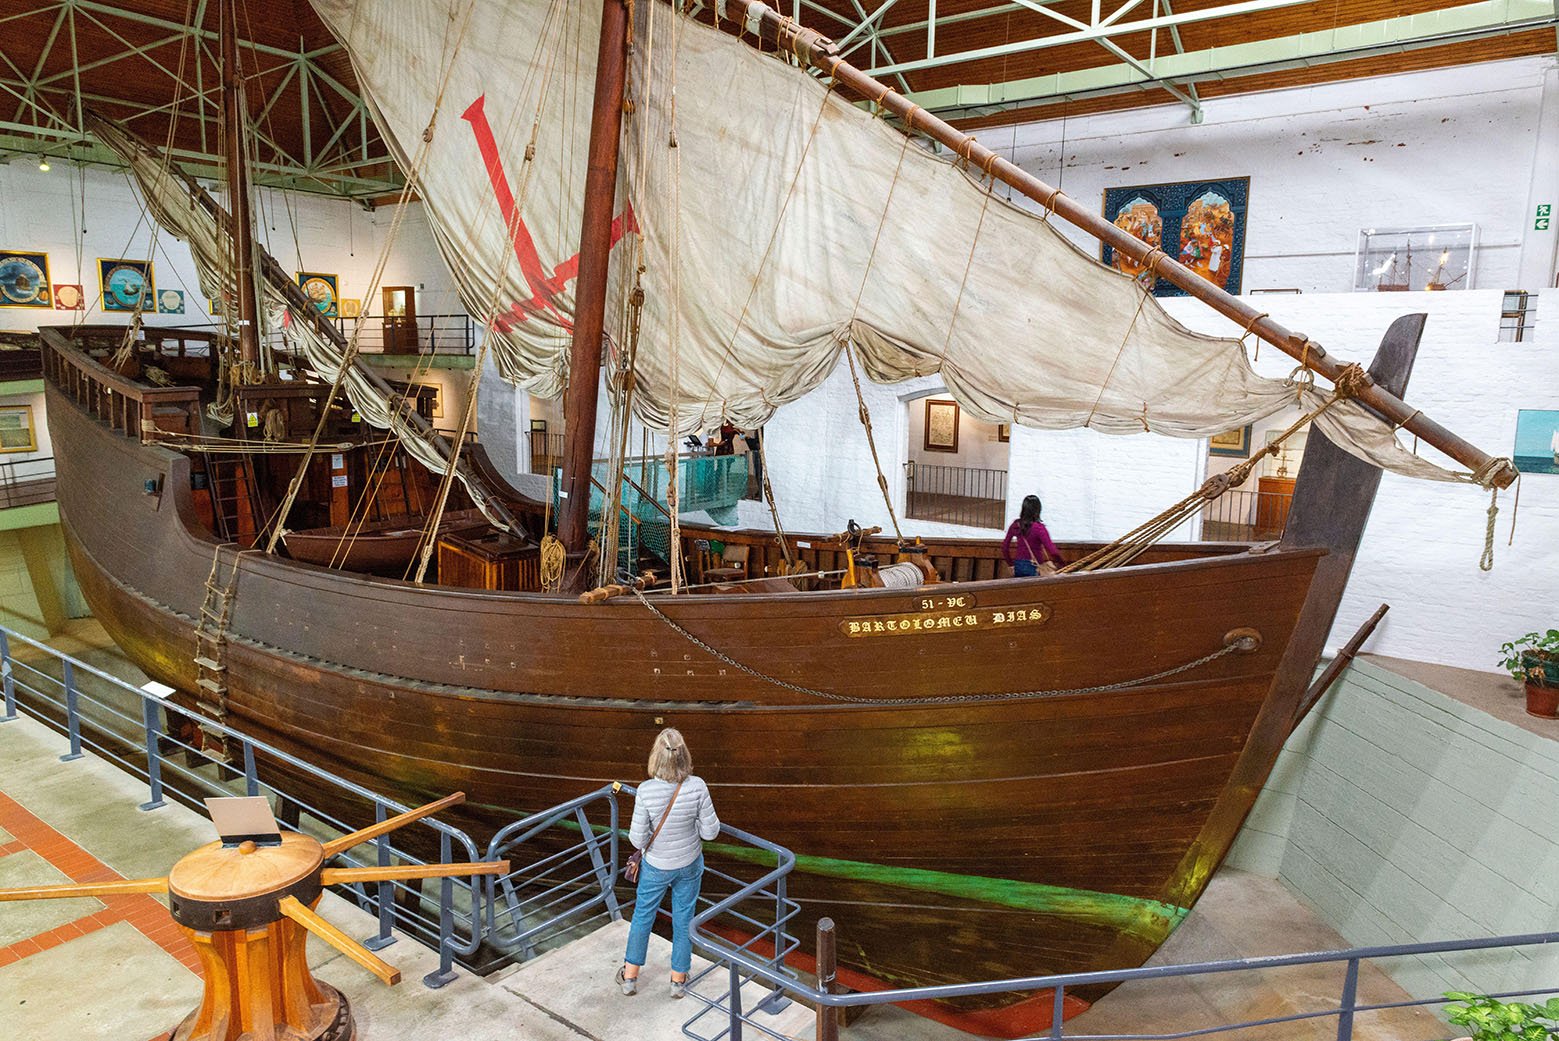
(775, 223)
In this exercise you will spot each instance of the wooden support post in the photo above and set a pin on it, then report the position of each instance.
(1323, 682)
(238, 188)
(595, 244)
(827, 970)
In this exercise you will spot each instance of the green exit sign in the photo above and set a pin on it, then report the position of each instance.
(1544, 215)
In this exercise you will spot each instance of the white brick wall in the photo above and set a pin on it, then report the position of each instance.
(1445, 146)
(1403, 815)
(43, 211)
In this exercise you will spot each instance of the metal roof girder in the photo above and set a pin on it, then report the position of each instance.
(1489, 17)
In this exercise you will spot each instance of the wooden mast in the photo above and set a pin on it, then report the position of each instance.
(821, 52)
(595, 244)
(236, 115)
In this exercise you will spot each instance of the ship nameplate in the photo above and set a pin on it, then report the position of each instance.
(945, 621)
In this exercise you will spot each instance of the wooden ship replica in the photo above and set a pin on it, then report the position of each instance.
(984, 776)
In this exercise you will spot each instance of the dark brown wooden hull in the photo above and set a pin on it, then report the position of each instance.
(991, 839)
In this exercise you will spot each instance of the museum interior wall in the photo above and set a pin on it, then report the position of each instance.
(44, 212)
(1402, 815)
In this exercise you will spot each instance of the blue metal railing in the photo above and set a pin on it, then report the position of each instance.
(565, 871)
(742, 964)
(129, 727)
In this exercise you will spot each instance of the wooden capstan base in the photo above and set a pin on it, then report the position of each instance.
(248, 910)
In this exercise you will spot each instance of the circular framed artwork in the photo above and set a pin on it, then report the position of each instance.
(321, 291)
(23, 281)
(69, 298)
(126, 284)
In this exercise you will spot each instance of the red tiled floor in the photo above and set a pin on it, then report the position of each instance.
(145, 914)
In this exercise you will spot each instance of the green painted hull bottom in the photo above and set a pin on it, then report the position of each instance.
(1147, 920)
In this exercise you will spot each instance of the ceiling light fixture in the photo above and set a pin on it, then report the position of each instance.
(43, 164)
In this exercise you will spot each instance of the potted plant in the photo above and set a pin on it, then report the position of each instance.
(1493, 1020)
(1534, 659)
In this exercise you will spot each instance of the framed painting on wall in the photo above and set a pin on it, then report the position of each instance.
(127, 285)
(1232, 443)
(24, 279)
(322, 291)
(941, 426)
(1199, 223)
(170, 301)
(1537, 441)
(351, 308)
(16, 429)
(69, 297)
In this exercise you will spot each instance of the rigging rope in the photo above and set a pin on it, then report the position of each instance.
(1134, 543)
(1238, 640)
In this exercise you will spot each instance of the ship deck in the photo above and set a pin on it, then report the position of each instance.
(79, 820)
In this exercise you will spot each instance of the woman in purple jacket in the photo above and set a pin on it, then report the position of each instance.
(1034, 544)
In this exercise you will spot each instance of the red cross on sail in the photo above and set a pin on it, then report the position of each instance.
(544, 287)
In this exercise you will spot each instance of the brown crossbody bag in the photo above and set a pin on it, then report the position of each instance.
(1042, 568)
(631, 869)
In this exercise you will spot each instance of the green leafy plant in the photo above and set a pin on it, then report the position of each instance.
(1533, 658)
(1490, 1019)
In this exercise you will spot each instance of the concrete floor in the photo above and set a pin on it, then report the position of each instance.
(79, 821)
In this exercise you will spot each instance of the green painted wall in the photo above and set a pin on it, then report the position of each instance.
(1401, 815)
(38, 590)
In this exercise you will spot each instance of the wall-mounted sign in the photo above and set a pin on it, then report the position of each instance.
(1545, 213)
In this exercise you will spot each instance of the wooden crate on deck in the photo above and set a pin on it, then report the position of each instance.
(489, 560)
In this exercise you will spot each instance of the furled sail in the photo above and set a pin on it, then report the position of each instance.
(775, 223)
(175, 208)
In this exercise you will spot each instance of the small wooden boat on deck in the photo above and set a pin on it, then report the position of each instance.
(382, 547)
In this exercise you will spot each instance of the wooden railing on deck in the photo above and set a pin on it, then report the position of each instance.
(117, 400)
(955, 559)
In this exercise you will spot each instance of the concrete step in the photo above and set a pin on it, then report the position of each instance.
(574, 984)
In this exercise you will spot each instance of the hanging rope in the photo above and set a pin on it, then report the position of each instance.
(1134, 543)
(1239, 640)
(768, 496)
(871, 442)
(1486, 562)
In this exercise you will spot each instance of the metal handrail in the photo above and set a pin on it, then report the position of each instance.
(14, 676)
(455, 334)
(740, 961)
(26, 489)
(756, 969)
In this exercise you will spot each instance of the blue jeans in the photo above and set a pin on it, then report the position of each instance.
(1024, 569)
(653, 883)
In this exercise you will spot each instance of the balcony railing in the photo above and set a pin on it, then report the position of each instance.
(428, 334)
(956, 495)
(546, 452)
(1246, 516)
(19, 357)
(26, 483)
